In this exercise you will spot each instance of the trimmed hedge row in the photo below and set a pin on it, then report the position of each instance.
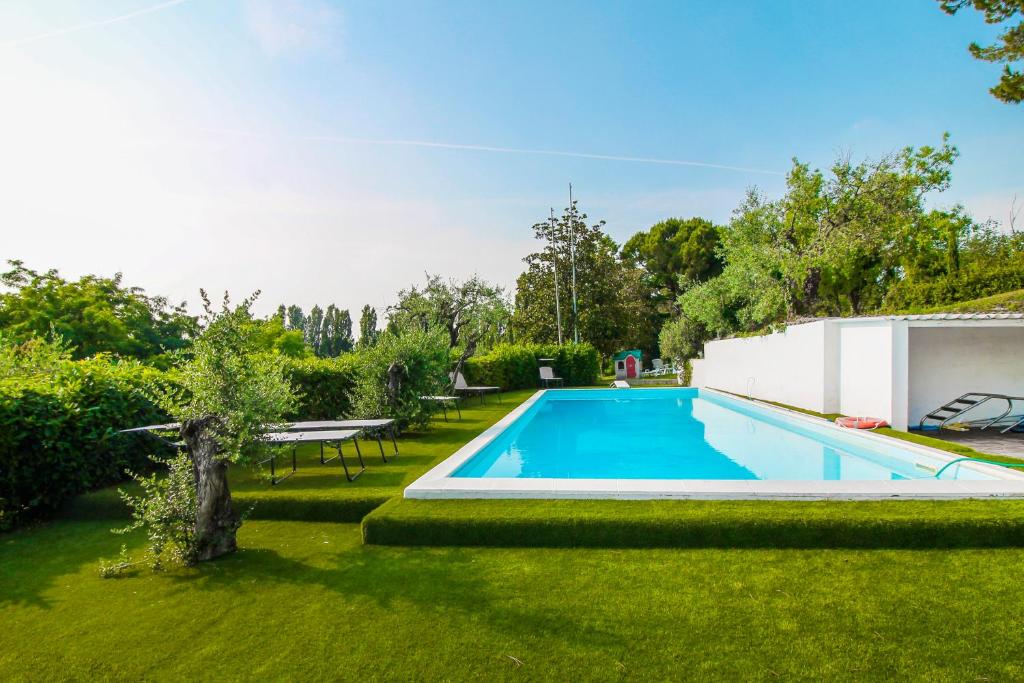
(515, 366)
(697, 524)
(324, 386)
(58, 433)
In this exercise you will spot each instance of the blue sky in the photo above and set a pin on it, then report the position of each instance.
(243, 144)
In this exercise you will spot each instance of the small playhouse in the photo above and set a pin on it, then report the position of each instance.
(627, 364)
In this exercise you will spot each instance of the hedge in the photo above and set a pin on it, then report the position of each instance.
(324, 385)
(514, 366)
(58, 433)
(973, 283)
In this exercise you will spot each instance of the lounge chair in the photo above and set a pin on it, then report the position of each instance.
(444, 402)
(547, 376)
(619, 384)
(461, 387)
(372, 427)
(293, 439)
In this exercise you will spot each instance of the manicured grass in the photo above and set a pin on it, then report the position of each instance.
(698, 524)
(307, 600)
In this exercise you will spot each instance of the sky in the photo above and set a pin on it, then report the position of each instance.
(335, 152)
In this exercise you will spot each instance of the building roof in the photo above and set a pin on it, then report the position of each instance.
(621, 355)
(919, 317)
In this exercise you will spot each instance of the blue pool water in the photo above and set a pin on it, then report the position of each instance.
(685, 434)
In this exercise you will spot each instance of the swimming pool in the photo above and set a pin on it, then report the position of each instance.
(693, 443)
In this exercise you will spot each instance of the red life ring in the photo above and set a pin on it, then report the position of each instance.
(861, 422)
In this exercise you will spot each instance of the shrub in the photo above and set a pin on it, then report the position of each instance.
(58, 432)
(514, 366)
(967, 284)
(324, 385)
(421, 361)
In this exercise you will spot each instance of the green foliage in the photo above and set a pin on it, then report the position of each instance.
(323, 386)
(92, 314)
(515, 366)
(471, 312)
(368, 327)
(830, 246)
(681, 339)
(166, 509)
(271, 335)
(230, 380)
(336, 333)
(1008, 50)
(33, 358)
(418, 360)
(58, 431)
(676, 251)
(615, 306)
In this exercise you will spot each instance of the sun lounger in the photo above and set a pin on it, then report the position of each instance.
(443, 401)
(374, 427)
(462, 387)
(620, 384)
(547, 376)
(328, 436)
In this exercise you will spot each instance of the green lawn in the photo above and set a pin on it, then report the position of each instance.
(306, 599)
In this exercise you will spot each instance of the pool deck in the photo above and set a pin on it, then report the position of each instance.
(439, 483)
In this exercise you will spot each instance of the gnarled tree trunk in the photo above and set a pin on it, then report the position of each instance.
(216, 521)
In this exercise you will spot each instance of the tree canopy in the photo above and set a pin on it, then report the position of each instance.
(470, 311)
(676, 251)
(614, 306)
(1009, 47)
(92, 314)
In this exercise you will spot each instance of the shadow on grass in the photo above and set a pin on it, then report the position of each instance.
(433, 580)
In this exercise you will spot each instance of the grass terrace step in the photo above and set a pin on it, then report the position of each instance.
(697, 524)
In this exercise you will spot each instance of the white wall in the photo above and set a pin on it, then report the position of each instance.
(866, 369)
(788, 367)
(946, 362)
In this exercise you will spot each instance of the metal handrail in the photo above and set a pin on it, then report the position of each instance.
(981, 460)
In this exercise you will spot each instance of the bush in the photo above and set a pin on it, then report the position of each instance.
(58, 432)
(422, 358)
(325, 386)
(967, 284)
(514, 366)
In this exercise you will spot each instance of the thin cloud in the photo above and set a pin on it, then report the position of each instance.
(289, 26)
(514, 150)
(92, 24)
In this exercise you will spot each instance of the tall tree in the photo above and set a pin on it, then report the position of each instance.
(676, 251)
(368, 326)
(296, 319)
(1009, 48)
(91, 315)
(313, 331)
(614, 305)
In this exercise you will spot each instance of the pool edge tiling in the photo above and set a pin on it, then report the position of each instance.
(439, 482)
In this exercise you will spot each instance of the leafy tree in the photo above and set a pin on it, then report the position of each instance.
(296, 319)
(468, 312)
(829, 246)
(91, 315)
(231, 394)
(1009, 48)
(336, 333)
(313, 329)
(681, 339)
(368, 327)
(614, 303)
(676, 251)
(270, 335)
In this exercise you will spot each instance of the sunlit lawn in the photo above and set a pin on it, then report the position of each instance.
(305, 599)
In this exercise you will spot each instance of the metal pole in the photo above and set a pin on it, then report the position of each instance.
(572, 257)
(554, 268)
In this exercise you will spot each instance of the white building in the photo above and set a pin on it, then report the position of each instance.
(897, 368)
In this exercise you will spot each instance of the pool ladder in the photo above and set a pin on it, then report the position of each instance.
(947, 412)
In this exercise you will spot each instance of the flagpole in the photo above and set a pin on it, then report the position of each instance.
(554, 269)
(572, 257)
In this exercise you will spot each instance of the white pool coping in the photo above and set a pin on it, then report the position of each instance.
(438, 482)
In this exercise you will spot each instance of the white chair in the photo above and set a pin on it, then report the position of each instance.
(620, 384)
(461, 386)
(547, 376)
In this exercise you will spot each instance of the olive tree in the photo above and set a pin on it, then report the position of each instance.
(230, 395)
